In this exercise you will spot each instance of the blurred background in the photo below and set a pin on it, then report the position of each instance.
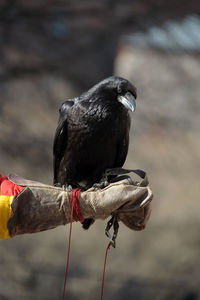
(52, 50)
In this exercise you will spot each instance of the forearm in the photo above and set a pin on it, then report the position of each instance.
(38, 207)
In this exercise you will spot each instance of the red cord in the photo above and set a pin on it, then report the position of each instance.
(104, 269)
(76, 213)
(74, 201)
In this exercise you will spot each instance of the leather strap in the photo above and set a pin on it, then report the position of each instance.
(121, 171)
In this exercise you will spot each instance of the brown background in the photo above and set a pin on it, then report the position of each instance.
(53, 50)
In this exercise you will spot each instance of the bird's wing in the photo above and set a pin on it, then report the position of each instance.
(122, 150)
(60, 139)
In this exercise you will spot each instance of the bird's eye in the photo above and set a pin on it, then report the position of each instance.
(119, 90)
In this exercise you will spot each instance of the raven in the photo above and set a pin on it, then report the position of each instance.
(93, 134)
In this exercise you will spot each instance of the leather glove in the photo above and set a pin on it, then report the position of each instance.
(41, 207)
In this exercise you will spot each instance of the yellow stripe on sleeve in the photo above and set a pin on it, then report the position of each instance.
(5, 213)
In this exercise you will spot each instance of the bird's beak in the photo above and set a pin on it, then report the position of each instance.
(128, 100)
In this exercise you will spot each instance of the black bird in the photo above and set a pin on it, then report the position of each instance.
(93, 134)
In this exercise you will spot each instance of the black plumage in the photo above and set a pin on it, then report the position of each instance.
(93, 133)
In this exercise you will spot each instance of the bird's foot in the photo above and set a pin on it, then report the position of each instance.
(67, 187)
(113, 222)
(101, 185)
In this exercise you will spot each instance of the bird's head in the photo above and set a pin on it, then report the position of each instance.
(117, 89)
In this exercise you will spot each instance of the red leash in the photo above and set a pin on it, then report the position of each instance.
(76, 214)
(104, 269)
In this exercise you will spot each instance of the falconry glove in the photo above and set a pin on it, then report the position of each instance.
(39, 207)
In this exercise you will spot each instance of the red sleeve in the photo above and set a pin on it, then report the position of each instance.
(8, 188)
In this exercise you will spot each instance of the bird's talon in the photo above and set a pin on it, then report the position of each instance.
(100, 185)
(67, 187)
